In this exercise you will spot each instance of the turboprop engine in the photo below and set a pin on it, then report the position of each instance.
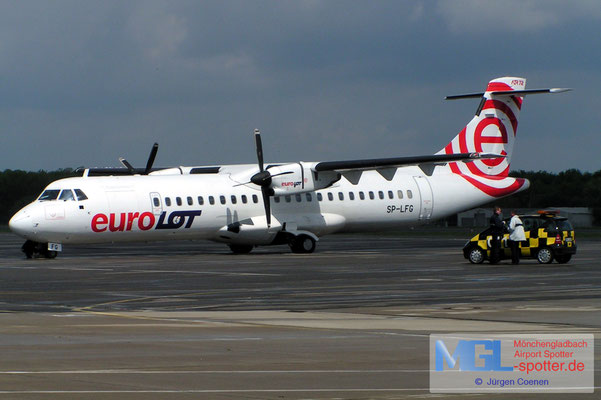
(298, 177)
(286, 179)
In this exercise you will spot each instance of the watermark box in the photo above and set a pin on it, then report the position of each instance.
(515, 363)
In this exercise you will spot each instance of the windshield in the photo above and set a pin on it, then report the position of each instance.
(80, 195)
(66, 194)
(47, 195)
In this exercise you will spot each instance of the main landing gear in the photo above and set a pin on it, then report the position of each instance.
(36, 250)
(300, 244)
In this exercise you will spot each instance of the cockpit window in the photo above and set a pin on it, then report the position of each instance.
(66, 195)
(47, 195)
(80, 195)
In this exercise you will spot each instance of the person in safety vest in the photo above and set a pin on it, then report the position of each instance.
(516, 235)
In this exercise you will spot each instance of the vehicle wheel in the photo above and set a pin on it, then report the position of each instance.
(303, 244)
(241, 248)
(563, 258)
(544, 255)
(476, 255)
(50, 254)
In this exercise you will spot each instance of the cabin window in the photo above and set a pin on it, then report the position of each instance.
(156, 202)
(178, 200)
(276, 199)
(234, 200)
(211, 200)
(319, 197)
(244, 199)
(399, 194)
(351, 196)
(48, 195)
(340, 196)
(168, 201)
(390, 195)
(409, 194)
(330, 196)
(381, 195)
(308, 196)
(362, 195)
(190, 201)
(201, 200)
(371, 195)
(298, 198)
(288, 199)
(80, 195)
(222, 199)
(66, 195)
(255, 199)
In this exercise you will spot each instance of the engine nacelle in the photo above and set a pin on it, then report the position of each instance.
(301, 179)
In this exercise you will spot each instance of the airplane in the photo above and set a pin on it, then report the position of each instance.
(244, 206)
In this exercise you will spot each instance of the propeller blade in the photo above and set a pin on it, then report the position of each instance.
(259, 146)
(241, 184)
(151, 157)
(127, 165)
(267, 204)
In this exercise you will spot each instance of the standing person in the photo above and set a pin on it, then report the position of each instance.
(516, 235)
(497, 227)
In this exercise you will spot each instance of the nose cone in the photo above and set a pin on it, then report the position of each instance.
(21, 224)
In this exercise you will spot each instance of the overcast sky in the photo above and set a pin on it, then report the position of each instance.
(84, 82)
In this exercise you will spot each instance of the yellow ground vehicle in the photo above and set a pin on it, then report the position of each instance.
(548, 237)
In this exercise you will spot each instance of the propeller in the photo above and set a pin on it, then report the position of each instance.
(149, 163)
(263, 178)
(151, 157)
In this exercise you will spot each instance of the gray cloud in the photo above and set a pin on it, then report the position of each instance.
(516, 16)
(82, 83)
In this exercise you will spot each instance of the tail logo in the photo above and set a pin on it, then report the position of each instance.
(493, 130)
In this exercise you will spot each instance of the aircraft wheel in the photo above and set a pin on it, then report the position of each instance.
(476, 255)
(544, 255)
(303, 244)
(28, 248)
(241, 248)
(50, 254)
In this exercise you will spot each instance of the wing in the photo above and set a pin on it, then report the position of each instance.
(377, 163)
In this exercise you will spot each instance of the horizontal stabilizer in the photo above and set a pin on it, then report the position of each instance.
(507, 93)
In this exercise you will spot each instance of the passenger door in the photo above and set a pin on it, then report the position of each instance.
(427, 202)
(156, 203)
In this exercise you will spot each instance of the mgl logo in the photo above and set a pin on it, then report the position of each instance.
(469, 353)
(124, 222)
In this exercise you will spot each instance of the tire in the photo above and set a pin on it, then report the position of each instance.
(544, 255)
(241, 248)
(564, 258)
(303, 244)
(476, 255)
(50, 254)
(29, 248)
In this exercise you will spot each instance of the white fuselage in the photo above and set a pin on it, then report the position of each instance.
(204, 206)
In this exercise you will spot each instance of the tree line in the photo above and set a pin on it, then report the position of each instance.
(570, 188)
(18, 188)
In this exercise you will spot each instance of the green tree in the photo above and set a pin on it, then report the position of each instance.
(18, 188)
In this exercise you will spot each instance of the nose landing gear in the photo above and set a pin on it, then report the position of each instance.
(37, 250)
